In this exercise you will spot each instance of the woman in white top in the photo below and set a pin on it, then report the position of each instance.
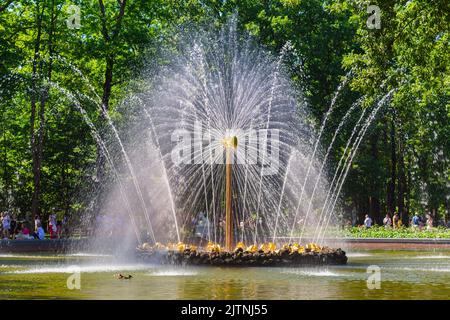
(52, 226)
(387, 221)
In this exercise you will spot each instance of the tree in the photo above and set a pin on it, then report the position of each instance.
(409, 53)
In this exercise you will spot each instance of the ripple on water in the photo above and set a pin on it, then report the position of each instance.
(313, 272)
(10, 266)
(172, 273)
(86, 254)
(25, 256)
(357, 255)
(432, 257)
(432, 269)
(80, 268)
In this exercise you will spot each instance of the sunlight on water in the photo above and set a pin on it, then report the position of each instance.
(357, 255)
(84, 254)
(314, 273)
(81, 268)
(433, 257)
(172, 273)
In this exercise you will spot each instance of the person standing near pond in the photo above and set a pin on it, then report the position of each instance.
(395, 221)
(387, 221)
(37, 221)
(416, 220)
(52, 227)
(429, 222)
(368, 222)
(6, 224)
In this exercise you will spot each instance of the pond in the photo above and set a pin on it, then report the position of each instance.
(405, 274)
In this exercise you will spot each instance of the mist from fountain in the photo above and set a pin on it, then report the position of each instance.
(220, 88)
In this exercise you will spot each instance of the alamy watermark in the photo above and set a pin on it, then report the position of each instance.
(374, 279)
(74, 19)
(374, 20)
(252, 147)
(74, 280)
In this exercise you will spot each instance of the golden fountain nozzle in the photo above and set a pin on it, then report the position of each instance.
(230, 142)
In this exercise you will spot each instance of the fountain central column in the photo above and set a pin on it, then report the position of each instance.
(230, 144)
(228, 214)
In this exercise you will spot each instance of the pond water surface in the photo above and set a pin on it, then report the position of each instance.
(407, 274)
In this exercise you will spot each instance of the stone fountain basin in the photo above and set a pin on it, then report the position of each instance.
(283, 258)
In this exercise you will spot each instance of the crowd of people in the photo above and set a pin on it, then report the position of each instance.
(14, 229)
(395, 222)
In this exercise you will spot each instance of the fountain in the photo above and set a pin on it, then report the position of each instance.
(227, 141)
(221, 136)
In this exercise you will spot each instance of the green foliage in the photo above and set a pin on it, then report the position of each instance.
(405, 164)
(399, 233)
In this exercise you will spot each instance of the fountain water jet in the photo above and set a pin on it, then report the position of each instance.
(214, 93)
(366, 125)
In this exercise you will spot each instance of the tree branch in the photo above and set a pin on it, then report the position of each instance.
(103, 18)
(119, 18)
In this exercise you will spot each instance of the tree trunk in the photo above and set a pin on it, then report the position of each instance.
(401, 180)
(391, 186)
(374, 192)
(408, 194)
(107, 83)
(66, 191)
(39, 142)
(36, 169)
(5, 161)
